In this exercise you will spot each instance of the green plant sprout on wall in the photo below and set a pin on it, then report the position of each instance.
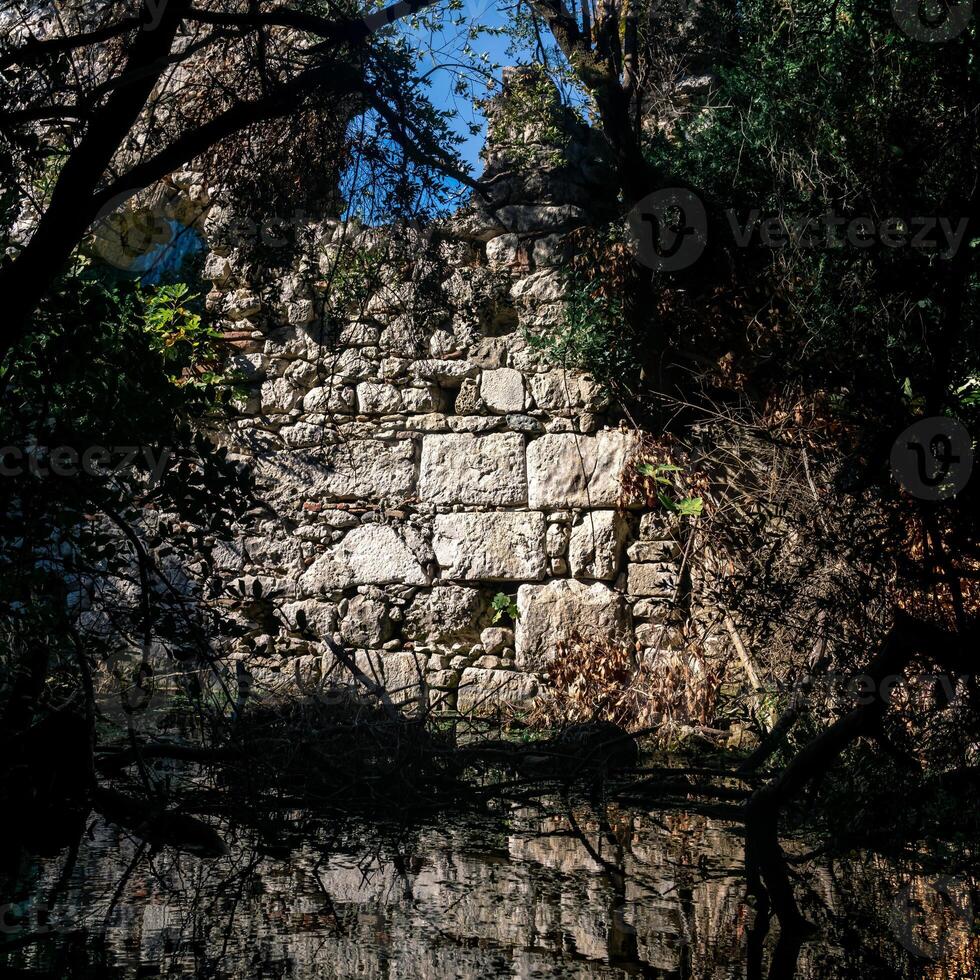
(503, 605)
(686, 506)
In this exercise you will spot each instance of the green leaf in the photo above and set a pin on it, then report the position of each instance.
(690, 506)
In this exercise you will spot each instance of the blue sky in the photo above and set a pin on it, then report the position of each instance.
(487, 13)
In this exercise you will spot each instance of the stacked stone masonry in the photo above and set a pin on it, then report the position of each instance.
(425, 456)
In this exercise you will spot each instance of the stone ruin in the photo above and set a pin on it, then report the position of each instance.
(419, 455)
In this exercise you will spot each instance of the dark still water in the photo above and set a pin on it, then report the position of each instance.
(529, 894)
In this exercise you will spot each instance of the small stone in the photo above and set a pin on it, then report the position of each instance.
(468, 398)
(655, 610)
(502, 252)
(556, 540)
(446, 613)
(659, 637)
(653, 551)
(378, 399)
(279, 396)
(596, 544)
(495, 638)
(657, 526)
(502, 390)
(654, 579)
(329, 398)
(443, 371)
(523, 423)
(366, 623)
(549, 251)
(240, 305)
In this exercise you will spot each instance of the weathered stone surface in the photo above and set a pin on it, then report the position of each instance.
(502, 390)
(443, 371)
(399, 673)
(359, 335)
(330, 396)
(556, 543)
(427, 398)
(658, 526)
(653, 610)
(320, 618)
(392, 297)
(279, 396)
(654, 578)
(565, 391)
(403, 673)
(494, 638)
(502, 251)
(659, 636)
(252, 366)
(653, 550)
(468, 398)
(539, 287)
(540, 217)
(358, 470)
(300, 313)
(402, 336)
(378, 399)
(550, 613)
(241, 304)
(477, 225)
(447, 614)
(568, 470)
(371, 554)
(596, 544)
(366, 623)
(497, 546)
(352, 364)
(483, 691)
(550, 250)
(461, 468)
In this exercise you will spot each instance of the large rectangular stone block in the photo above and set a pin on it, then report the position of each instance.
(484, 691)
(462, 468)
(566, 391)
(366, 470)
(551, 613)
(570, 470)
(374, 554)
(496, 546)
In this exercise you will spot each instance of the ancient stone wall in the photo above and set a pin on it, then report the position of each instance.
(419, 455)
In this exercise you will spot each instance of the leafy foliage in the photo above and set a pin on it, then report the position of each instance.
(600, 330)
(504, 605)
(190, 348)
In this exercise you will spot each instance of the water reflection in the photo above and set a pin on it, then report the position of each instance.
(559, 892)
